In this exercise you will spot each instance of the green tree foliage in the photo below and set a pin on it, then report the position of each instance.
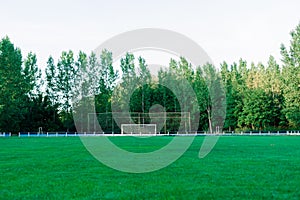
(258, 96)
(128, 83)
(229, 77)
(66, 79)
(13, 88)
(51, 74)
(214, 97)
(202, 93)
(106, 83)
(20, 87)
(291, 78)
(41, 113)
(64, 86)
(32, 75)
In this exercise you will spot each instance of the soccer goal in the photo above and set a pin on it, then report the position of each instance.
(138, 129)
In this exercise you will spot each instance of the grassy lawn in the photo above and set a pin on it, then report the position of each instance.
(239, 167)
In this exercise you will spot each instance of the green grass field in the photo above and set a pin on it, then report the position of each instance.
(239, 167)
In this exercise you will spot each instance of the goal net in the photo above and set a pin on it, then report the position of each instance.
(138, 129)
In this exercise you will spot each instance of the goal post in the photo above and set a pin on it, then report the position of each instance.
(138, 129)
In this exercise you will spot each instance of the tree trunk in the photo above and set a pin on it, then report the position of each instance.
(209, 121)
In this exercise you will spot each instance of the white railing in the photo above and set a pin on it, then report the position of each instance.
(190, 133)
(5, 134)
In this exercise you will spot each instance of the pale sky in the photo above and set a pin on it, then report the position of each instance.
(226, 30)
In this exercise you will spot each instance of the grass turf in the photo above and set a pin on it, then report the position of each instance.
(239, 167)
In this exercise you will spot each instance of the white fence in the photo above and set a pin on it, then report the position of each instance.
(54, 134)
(4, 134)
(75, 134)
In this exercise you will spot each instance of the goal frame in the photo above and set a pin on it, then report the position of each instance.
(139, 125)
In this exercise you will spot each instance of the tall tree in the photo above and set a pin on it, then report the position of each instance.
(273, 86)
(232, 96)
(51, 81)
(107, 81)
(65, 84)
(13, 88)
(143, 92)
(291, 78)
(32, 75)
(215, 101)
(128, 83)
(202, 93)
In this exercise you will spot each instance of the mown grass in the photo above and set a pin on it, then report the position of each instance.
(240, 167)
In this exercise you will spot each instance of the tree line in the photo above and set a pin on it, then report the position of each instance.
(258, 96)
